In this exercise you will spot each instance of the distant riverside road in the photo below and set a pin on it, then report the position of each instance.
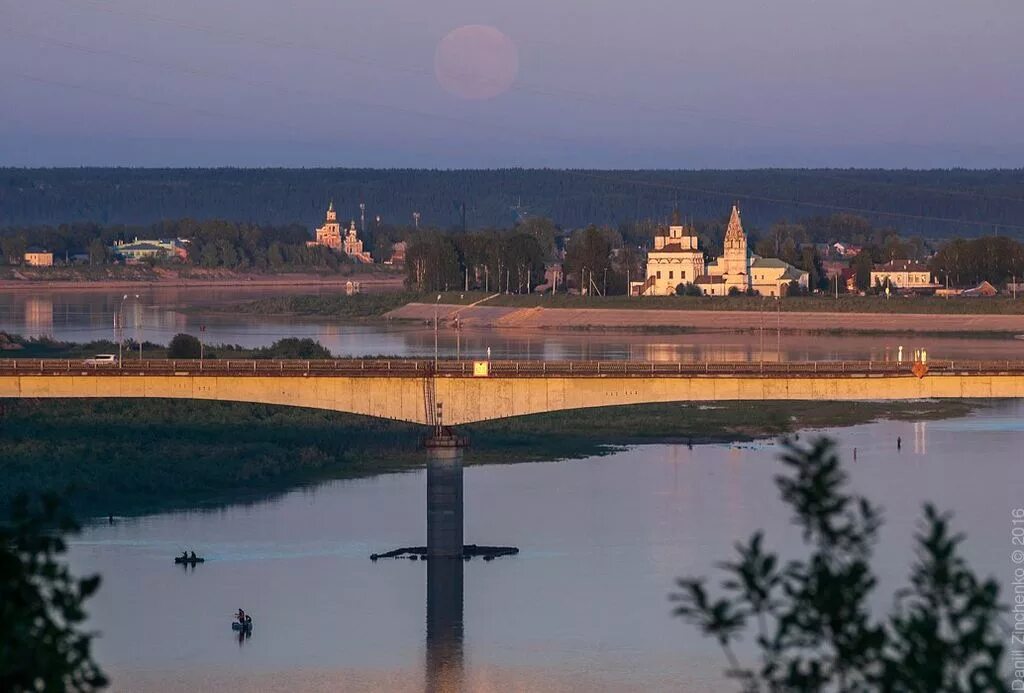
(621, 318)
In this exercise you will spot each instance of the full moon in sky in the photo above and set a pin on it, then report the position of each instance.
(476, 62)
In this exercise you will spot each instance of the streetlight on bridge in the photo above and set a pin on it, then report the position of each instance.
(437, 304)
(119, 329)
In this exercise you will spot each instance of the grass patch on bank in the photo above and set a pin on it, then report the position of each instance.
(358, 306)
(586, 432)
(793, 304)
(136, 456)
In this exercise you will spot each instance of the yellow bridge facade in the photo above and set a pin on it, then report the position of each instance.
(460, 392)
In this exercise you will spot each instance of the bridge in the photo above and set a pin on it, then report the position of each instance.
(467, 391)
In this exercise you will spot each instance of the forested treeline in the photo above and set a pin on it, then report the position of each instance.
(214, 243)
(980, 202)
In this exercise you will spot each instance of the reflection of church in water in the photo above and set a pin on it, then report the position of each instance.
(329, 235)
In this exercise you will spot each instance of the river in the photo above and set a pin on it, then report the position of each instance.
(157, 315)
(583, 607)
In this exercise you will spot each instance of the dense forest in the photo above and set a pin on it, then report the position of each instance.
(933, 204)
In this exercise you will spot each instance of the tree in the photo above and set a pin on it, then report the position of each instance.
(688, 289)
(810, 262)
(432, 263)
(294, 348)
(97, 252)
(184, 346)
(13, 248)
(862, 265)
(543, 230)
(41, 604)
(996, 259)
(588, 255)
(815, 630)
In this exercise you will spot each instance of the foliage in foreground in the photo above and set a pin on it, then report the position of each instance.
(42, 646)
(814, 630)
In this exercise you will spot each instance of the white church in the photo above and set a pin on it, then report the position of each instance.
(676, 260)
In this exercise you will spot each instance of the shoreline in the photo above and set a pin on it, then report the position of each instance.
(620, 319)
(372, 281)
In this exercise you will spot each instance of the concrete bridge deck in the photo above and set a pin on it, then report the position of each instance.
(411, 390)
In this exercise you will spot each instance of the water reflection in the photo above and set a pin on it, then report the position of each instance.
(444, 565)
(444, 670)
(39, 314)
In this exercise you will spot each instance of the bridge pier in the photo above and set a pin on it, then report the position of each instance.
(444, 494)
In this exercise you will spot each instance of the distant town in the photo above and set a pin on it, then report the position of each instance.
(536, 256)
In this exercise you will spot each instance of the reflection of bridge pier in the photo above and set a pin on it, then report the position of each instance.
(444, 561)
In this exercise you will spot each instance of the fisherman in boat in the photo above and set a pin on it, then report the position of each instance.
(184, 555)
(193, 557)
(241, 617)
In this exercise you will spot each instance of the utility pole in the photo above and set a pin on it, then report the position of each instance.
(119, 331)
(761, 312)
(778, 328)
(436, 306)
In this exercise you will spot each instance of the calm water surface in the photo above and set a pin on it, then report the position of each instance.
(157, 316)
(582, 608)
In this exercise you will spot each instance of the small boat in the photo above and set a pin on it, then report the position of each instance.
(181, 560)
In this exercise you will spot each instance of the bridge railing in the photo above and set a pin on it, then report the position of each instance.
(457, 368)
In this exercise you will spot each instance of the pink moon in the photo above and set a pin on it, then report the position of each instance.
(476, 62)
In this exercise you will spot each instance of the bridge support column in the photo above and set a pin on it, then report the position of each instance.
(444, 495)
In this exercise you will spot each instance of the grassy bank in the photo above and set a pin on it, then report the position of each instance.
(132, 456)
(144, 272)
(928, 305)
(356, 307)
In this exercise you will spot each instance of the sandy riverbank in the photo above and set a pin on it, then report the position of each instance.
(622, 319)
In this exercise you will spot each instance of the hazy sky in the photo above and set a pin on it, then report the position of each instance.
(626, 84)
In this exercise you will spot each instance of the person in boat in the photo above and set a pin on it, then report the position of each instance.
(241, 617)
(184, 555)
(193, 558)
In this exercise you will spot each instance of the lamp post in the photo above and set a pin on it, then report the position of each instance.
(119, 322)
(778, 328)
(437, 305)
(761, 315)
